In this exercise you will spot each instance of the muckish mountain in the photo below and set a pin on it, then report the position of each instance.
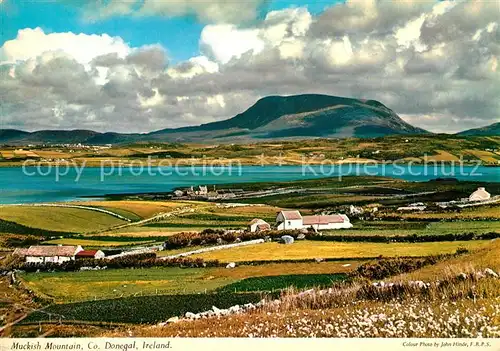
(491, 130)
(272, 117)
(300, 116)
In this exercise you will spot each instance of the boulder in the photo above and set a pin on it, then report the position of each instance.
(301, 236)
(234, 309)
(172, 320)
(231, 265)
(319, 259)
(190, 315)
(286, 239)
(249, 306)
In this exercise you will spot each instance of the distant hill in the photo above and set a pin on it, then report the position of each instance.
(492, 129)
(272, 117)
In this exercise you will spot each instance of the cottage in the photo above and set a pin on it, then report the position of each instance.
(289, 220)
(95, 254)
(54, 254)
(480, 195)
(294, 220)
(258, 225)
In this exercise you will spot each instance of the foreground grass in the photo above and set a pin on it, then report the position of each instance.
(62, 219)
(414, 318)
(320, 249)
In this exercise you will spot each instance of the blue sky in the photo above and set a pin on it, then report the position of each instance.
(97, 66)
(179, 35)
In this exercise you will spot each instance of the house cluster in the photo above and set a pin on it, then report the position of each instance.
(56, 254)
(293, 219)
(478, 197)
(203, 192)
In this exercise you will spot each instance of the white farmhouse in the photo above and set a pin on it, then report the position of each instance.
(289, 220)
(480, 195)
(54, 254)
(294, 220)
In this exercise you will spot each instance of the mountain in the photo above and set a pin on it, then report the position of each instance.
(272, 117)
(492, 129)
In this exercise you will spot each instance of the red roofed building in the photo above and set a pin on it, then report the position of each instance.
(294, 220)
(54, 254)
(96, 254)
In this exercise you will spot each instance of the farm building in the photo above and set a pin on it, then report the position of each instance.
(54, 254)
(294, 220)
(258, 225)
(480, 195)
(96, 254)
(289, 220)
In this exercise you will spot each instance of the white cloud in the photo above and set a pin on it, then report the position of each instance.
(83, 48)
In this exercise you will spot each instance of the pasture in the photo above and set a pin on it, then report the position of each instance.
(105, 284)
(335, 250)
(74, 220)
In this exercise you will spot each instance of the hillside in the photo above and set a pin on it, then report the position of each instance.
(272, 117)
(492, 129)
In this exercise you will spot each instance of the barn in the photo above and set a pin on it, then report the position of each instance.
(258, 225)
(321, 222)
(95, 254)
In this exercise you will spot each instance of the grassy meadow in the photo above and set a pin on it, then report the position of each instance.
(301, 250)
(73, 220)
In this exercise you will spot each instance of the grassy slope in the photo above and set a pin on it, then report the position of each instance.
(59, 218)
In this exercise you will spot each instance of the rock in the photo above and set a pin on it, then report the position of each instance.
(234, 309)
(237, 240)
(249, 306)
(462, 276)
(224, 312)
(301, 236)
(172, 320)
(231, 265)
(286, 239)
(267, 239)
(190, 315)
(490, 273)
(220, 241)
(319, 259)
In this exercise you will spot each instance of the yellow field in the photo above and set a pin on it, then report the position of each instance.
(443, 156)
(322, 249)
(59, 218)
(485, 156)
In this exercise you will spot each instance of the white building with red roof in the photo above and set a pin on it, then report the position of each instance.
(53, 254)
(294, 220)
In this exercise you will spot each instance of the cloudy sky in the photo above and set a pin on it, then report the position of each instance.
(142, 65)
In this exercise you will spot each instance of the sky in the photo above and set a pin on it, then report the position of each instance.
(144, 65)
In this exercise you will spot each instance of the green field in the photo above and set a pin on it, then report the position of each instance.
(392, 228)
(62, 219)
(335, 250)
(273, 283)
(146, 309)
(89, 285)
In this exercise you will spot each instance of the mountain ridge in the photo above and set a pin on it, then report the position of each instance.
(271, 117)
